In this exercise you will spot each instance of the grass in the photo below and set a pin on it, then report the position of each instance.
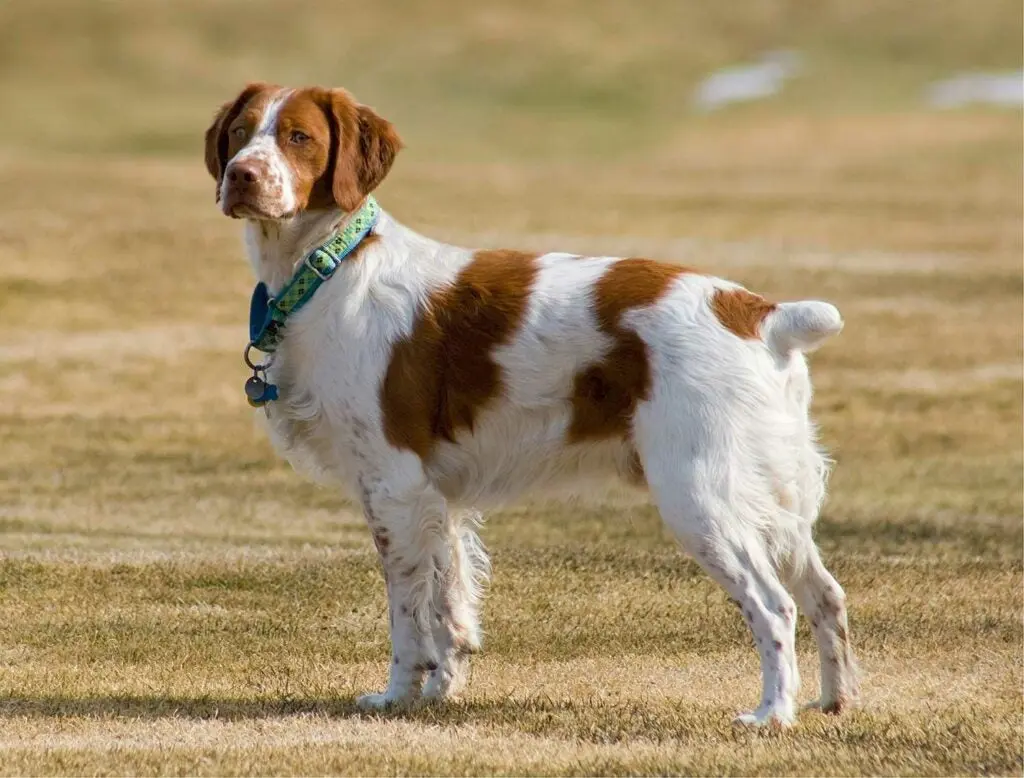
(173, 600)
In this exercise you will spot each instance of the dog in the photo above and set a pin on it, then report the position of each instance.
(430, 380)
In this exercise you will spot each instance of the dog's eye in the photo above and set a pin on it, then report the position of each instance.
(239, 132)
(298, 136)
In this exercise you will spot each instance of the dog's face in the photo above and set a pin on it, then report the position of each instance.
(275, 152)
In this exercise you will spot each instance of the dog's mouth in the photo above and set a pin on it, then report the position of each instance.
(242, 209)
(246, 211)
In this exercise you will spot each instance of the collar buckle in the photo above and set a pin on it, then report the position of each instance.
(308, 263)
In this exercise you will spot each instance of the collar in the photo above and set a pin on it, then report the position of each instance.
(268, 315)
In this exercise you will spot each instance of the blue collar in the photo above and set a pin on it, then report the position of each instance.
(268, 316)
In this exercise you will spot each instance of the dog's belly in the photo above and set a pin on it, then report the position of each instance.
(512, 452)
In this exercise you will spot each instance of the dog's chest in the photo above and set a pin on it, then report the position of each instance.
(327, 404)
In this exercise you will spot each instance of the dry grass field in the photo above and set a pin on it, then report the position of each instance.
(174, 600)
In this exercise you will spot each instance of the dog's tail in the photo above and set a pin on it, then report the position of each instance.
(801, 326)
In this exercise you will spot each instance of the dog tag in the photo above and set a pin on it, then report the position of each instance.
(255, 388)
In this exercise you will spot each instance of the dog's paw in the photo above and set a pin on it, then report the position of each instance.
(766, 717)
(833, 706)
(447, 681)
(376, 702)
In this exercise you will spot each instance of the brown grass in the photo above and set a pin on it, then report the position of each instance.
(175, 600)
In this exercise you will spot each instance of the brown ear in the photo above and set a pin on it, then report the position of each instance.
(217, 133)
(363, 147)
(378, 145)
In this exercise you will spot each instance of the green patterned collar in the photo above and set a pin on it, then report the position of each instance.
(268, 315)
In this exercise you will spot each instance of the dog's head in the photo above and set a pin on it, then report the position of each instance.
(275, 152)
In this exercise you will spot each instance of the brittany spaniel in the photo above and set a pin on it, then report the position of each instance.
(429, 380)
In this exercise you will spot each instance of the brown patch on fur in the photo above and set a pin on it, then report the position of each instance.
(741, 312)
(443, 374)
(605, 394)
(306, 111)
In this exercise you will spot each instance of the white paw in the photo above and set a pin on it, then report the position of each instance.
(447, 680)
(375, 702)
(443, 685)
(437, 686)
(777, 717)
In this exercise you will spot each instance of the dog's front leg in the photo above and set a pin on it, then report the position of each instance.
(406, 524)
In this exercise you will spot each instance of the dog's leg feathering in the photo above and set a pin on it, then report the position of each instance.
(461, 575)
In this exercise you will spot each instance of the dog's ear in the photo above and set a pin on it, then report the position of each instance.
(363, 147)
(217, 133)
(378, 145)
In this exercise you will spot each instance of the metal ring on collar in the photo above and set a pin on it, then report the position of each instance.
(256, 366)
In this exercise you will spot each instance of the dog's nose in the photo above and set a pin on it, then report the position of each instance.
(244, 172)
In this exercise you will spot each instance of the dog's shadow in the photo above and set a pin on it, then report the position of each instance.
(157, 706)
(591, 719)
(615, 720)
(203, 707)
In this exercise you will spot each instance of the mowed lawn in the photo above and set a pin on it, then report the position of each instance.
(174, 600)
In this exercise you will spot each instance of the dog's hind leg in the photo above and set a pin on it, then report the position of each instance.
(823, 601)
(743, 568)
(462, 571)
(692, 491)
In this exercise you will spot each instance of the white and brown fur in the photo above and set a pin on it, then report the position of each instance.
(430, 380)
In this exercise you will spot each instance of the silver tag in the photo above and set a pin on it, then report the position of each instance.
(255, 388)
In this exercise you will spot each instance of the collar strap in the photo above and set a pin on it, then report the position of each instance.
(267, 316)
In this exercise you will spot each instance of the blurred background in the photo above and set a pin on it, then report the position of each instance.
(576, 115)
(158, 562)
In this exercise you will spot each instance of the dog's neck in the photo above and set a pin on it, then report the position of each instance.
(276, 248)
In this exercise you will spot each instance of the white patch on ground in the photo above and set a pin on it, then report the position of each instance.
(744, 83)
(1002, 89)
